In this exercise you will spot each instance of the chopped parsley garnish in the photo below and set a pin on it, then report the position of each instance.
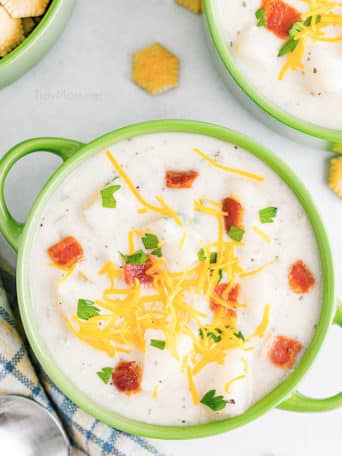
(201, 255)
(213, 257)
(239, 335)
(236, 233)
(105, 373)
(215, 403)
(107, 195)
(214, 334)
(138, 257)
(151, 242)
(267, 214)
(158, 344)
(220, 275)
(288, 47)
(86, 309)
(157, 252)
(261, 17)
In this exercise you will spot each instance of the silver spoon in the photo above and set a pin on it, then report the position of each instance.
(28, 429)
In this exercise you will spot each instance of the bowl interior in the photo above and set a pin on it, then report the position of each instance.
(228, 61)
(27, 308)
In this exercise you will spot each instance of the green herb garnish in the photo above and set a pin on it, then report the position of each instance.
(215, 335)
(288, 47)
(236, 233)
(105, 373)
(150, 241)
(213, 257)
(157, 252)
(138, 257)
(107, 195)
(215, 403)
(158, 344)
(86, 309)
(261, 17)
(219, 276)
(267, 214)
(201, 255)
(239, 335)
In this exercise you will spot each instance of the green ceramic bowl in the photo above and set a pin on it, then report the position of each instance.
(21, 236)
(37, 44)
(269, 113)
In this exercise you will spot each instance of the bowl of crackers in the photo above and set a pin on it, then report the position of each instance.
(28, 29)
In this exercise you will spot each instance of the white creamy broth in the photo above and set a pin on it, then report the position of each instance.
(166, 397)
(312, 92)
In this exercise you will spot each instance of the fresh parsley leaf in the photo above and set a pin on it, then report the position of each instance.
(220, 275)
(105, 373)
(86, 309)
(296, 28)
(308, 20)
(158, 344)
(157, 252)
(107, 195)
(138, 257)
(213, 257)
(261, 17)
(267, 214)
(150, 241)
(236, 233)
(239, 335)
(215, 335)
(201, 255)
(288, 47)
(215, 403)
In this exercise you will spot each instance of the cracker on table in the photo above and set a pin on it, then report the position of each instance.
(196, 6)
(25, 8)
(335, 176)
(155, 69)
(11, 32)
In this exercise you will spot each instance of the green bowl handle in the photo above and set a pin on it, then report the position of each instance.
(299, 403)
(64, 148)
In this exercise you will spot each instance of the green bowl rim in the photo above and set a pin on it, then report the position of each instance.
(33, 37)
(228, 62)
(276, 396)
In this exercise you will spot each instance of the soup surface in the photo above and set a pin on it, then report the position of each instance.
(176, 279)
(290, 52)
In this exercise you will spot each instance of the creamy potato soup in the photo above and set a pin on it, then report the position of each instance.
(176, 279)
(290, 51)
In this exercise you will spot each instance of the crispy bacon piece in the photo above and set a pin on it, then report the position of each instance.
(138, 271)
(127, 377)
(233, 296)
(284, 351)
(235, 213)
(66, 253)
(301, 279)
(180, 179)
(280, 17)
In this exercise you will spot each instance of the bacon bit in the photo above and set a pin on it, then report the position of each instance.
(284, 351)
(301, 279)
(232, 297)
(235, 213)
(180, 179)
(127, 377)
(280, 17)
(138, 271)
(66, 253)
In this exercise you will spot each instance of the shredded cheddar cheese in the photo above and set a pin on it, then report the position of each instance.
(227, 168)
(262, 234)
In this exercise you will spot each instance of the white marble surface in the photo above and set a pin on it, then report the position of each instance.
(82, 89)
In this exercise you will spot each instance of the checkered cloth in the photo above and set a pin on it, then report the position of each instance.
(21, 374)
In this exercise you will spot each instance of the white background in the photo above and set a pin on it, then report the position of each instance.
(83, 89)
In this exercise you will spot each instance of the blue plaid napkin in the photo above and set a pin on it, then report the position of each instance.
(21, 374)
